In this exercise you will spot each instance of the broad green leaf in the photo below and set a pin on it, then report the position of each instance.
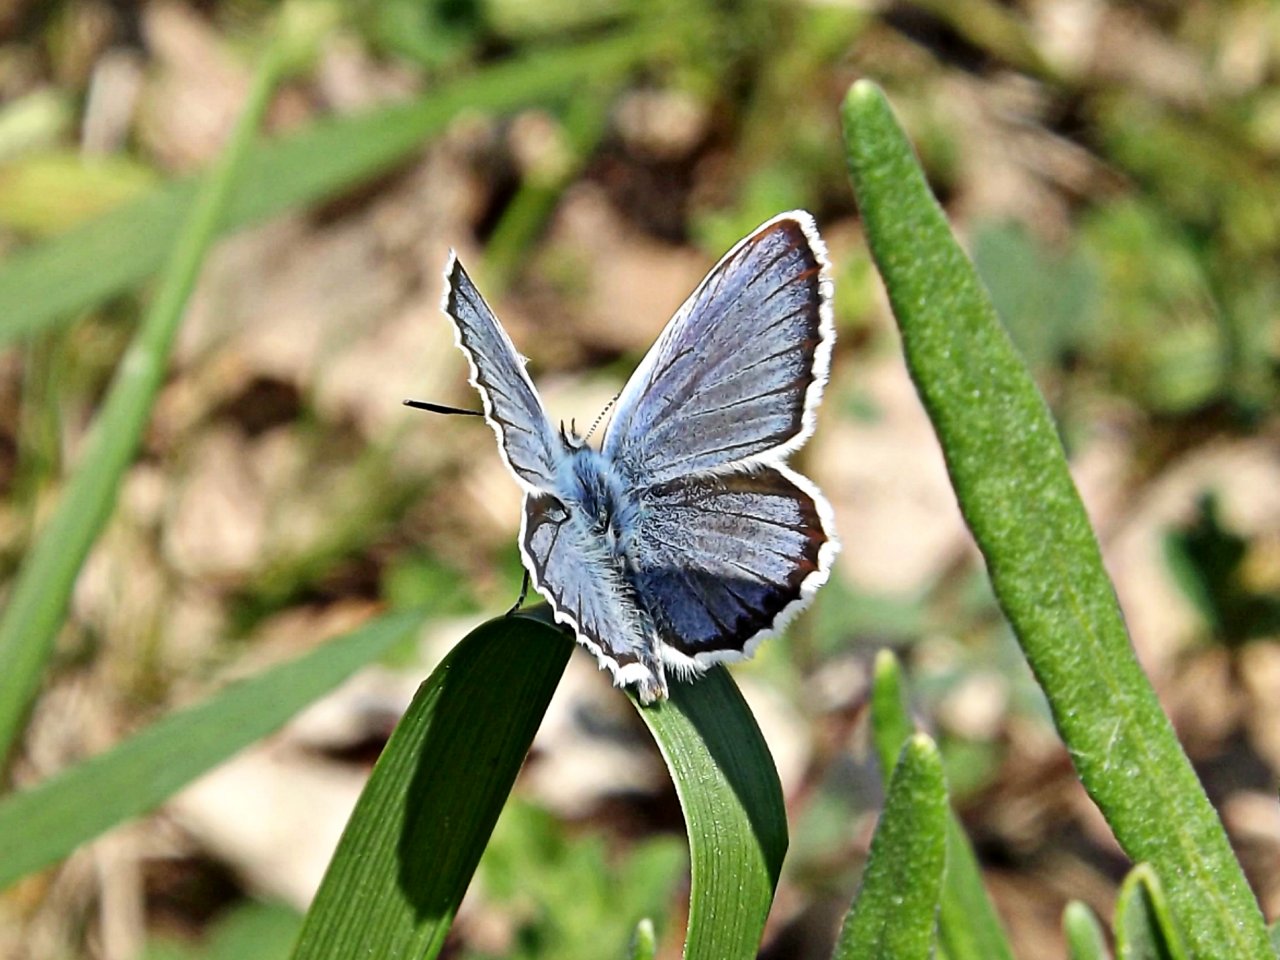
(37, 602)
(1011, 479)
(419, 827)
(46, 822)
(733, 811)
(968, 926)
(895, 911)
(1085, 939)
(1144, 930)
(49, 282)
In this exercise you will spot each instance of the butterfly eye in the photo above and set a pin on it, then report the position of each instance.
(554, 510)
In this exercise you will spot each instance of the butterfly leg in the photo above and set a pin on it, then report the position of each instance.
(652, 688)
(645, 669)
(524, 592)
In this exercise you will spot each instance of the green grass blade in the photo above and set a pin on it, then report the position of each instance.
(733, 810)
(894, 913)
(1083, 932)
(1010, 476)
(1144, 929)
(585, 123)
(968, 926)
(38, 601)
(425, 816)
(45, 823)
(891, 722)
(49, 282)
(644, 942)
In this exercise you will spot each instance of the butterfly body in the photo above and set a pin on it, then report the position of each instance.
(685, 539)
(601, 500)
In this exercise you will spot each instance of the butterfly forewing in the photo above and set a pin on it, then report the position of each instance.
(737, 372)
(512, 407)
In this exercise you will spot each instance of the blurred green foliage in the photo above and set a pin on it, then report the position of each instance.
(1048, 302)
(248, 931)
(1208, 561)
(569, 896)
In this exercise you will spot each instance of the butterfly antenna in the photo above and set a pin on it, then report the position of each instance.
(442, 408)
(607, 407)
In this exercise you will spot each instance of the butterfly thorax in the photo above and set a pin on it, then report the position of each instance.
(598, 495)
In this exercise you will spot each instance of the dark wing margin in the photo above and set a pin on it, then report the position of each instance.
(721, 562)
(570, 568)
(529, 445)
(737, 374)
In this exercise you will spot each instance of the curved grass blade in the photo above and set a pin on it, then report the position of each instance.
(48, 821)
(894, 913)
(425, 816)
(1144, 929)
(1085, 939)
(38, 601)
(49, 282)
(968, 926)
(1010, 476)
(733, 809)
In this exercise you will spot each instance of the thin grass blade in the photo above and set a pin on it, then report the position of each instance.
(585, 123)
(425, 816)
(38, 601)
(1085, 939)
(644, 942)
(45, 823)
(895, 911)
(733, 810)
(1143, 926)
(1010, 476)
(968, 926)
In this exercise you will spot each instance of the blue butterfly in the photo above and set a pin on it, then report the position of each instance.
(685, 539)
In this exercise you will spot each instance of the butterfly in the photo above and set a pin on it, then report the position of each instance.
(685, 539)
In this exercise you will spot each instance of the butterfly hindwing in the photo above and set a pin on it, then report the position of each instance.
(572, 569)
(722, 561)
(529, 445)
(736, 374)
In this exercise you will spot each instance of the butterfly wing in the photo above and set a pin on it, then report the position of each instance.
(529, 445)
(723, 561)
(585, 588)
(735, 377)
(567, 562)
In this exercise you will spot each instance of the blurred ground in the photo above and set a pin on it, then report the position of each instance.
(1114, 169)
